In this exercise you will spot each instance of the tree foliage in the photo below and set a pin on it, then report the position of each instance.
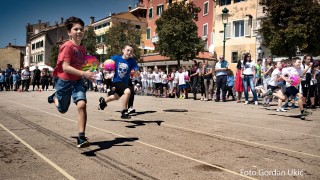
(290, 24)
(54, 55)
(89, 41)
(121, 34)
(178, 32)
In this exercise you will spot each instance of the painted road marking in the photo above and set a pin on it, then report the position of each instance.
(39, 154)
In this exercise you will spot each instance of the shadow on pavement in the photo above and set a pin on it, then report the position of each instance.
(108, 144)
(137, 122)
(140, 113)
(292, 116)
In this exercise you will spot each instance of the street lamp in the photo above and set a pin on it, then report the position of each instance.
(225, 22)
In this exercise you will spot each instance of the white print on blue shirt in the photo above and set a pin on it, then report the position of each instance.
(122, 70)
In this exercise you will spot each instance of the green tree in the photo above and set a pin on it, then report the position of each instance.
(54, 55)
(178, 32)
(290, 24)
(90, 41)
(121, 34)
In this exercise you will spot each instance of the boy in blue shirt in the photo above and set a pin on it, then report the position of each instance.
(120, 82)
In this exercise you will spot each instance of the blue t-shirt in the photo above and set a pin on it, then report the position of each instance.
(230, 80)
(15, 77)
(123, 68)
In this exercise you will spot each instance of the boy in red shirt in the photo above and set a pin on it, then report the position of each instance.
(69, 75)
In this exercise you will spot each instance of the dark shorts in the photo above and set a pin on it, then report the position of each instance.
(308, 89)
(120, 87)
(273, 88)
(291, 91)
(158, 85)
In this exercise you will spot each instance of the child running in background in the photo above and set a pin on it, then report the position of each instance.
(292, 90)
(70, 82)
(230, 84)
(273, 87)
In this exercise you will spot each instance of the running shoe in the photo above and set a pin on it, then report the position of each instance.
(268, 93)
(125, 114)
(131, 110)
(102, 103)
(281, 110)
(50, 98)
(293, 106)
(246, 102)
(82, 142)
(256, 103)
(306, 113)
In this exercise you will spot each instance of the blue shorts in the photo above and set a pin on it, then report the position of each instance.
(182, 86)
(65, 89)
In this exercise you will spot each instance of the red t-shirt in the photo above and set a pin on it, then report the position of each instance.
(73, 54)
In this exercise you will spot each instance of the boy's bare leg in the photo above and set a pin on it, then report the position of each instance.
(125, 97)
(82, 115)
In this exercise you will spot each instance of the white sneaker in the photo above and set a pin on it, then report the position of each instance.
(281, 110)
(131, 110)
(256, 103)
(205, 99)
(246, 102)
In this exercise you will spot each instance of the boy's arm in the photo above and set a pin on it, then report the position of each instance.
(71, 70)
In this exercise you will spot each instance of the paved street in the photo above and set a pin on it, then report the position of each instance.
(210, 141)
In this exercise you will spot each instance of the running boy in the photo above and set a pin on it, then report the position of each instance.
(293, 90)
(69, 75)
(120, 82)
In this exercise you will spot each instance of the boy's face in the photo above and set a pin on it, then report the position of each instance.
(76, 33)
(297, 64)
(127, 52)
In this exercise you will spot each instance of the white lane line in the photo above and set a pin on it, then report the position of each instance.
(39, 154)
(260, 127)
(146, 144)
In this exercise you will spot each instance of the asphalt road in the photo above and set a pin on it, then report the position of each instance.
(210, 141)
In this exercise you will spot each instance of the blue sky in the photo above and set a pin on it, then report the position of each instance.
(15, 14)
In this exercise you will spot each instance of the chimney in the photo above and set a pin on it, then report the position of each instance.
(91, 20)
(9, 45)
(129, 8)
(61, 20)
(39, 22)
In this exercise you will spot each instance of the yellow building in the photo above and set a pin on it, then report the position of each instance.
(240, 29)
(103, 25)
(13, 55)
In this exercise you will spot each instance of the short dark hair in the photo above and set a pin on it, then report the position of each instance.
(70, 22)
(259, 59)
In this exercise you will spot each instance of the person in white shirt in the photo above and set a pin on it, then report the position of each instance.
(181, 82)
(144, 81)
(273, 87)
(164, 87)
(25, 78)
(248, 76)
(157, 81)
(291, 88)
(150, 82)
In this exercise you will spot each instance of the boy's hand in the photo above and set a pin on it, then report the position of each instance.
(89, 75)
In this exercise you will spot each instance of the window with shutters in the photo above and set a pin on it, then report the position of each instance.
(206, 8)
(160, 9)
(247, 28)
(205, 30)
(150, 13)
(254, 27)
(148, 33)
(238, 28)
